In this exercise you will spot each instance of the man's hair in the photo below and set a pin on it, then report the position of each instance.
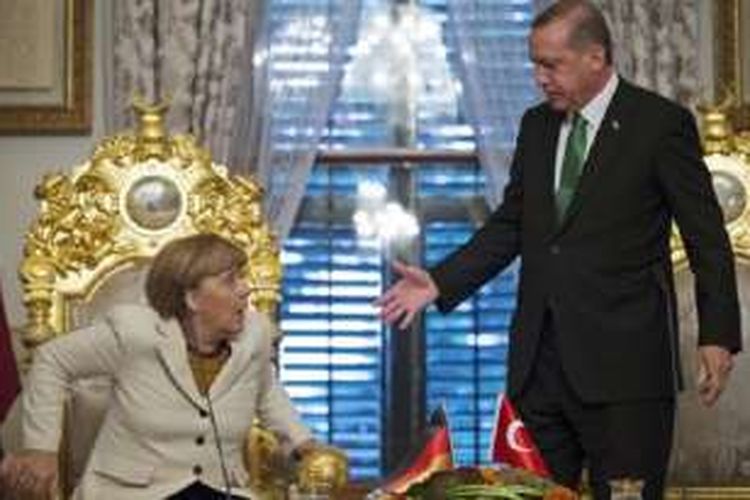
(588, 24)
(182, 264)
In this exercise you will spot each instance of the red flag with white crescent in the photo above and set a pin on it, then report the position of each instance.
(512, 443)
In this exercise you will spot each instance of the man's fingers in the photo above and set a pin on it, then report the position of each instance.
(710, 394)
(392, 308)
(727, 366)
(406, 321)
(711, 388)
(387, 297)
(400, 267)
(386, 303)
(392, 315)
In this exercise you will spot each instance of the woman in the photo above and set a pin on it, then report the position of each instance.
(189, 374)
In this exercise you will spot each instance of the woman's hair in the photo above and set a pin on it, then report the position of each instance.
(182, 264)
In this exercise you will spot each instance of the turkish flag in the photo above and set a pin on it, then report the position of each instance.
(434, 453)
(512, 443)
(10, 384)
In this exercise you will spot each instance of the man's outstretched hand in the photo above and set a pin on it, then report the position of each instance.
(400, 303)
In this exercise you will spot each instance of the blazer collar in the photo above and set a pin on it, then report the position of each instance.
(548, 148)
(239, 361)
(173, 353)
(615, 125)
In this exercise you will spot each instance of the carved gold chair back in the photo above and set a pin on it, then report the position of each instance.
(98, 227)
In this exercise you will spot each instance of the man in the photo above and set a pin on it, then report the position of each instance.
(599, 172)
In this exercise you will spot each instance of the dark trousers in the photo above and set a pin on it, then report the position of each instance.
(618, 440)
(199, 491)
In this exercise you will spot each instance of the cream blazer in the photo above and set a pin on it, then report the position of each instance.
(157, 436)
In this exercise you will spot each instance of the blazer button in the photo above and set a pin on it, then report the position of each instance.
(197, 470)
(200, 440)
(554, 249)
(203, 413)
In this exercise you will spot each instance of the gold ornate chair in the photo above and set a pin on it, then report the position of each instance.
(98, 227)
(711, 447)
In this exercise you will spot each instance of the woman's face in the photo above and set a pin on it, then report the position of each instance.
(219, 303)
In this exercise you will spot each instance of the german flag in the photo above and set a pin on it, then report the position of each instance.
(434, 454)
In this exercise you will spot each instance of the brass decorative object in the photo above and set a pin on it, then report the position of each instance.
(323, 471)
(716, 127)
(727, 156)
(264, 462)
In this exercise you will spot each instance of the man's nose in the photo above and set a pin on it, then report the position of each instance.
(540, 76)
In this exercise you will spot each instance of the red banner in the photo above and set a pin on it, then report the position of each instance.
(10, 384)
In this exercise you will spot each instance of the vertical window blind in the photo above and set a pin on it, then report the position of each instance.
(332, 359)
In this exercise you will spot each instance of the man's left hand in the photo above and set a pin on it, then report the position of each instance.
(714, 366)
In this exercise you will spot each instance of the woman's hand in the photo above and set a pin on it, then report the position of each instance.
(304, 449)
(30, 474)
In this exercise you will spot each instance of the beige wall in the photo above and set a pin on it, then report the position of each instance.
(23, 160)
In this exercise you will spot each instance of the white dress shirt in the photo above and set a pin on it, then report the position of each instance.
(593, 112)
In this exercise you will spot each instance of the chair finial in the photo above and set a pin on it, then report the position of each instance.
(151, 134)
(716, 127)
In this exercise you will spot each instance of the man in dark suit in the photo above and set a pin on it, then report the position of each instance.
(600, 171)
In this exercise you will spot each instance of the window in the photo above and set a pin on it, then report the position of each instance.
(337, 358)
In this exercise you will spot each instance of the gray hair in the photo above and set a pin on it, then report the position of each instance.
(589, 25)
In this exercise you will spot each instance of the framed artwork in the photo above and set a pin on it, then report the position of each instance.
(732, 56)
(45, 66)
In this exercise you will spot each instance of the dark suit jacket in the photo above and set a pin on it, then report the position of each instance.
(604, 271)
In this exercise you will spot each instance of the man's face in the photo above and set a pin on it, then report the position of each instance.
(568, 76)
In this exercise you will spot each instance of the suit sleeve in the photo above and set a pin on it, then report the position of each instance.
(686, 182)
(88, 352)
(275, 409)
(491, 248)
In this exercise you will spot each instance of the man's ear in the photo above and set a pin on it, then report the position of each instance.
(597, 56)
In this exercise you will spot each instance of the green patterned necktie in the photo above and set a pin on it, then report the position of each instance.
(575, 154)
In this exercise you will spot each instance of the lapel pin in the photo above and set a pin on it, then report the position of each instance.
(615, 125)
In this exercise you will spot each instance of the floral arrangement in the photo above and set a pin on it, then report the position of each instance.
(487, 483)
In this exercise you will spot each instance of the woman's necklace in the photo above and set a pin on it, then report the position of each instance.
(220, 350)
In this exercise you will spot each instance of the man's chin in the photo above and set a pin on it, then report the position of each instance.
(557, 104)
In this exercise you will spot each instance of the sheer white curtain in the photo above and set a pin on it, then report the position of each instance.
(656, 44)
(496, 78)
(255, 91)
(188, 52)
(294, 76)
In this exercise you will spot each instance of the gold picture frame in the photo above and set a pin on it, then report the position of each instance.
(732, 57)
(54, 97)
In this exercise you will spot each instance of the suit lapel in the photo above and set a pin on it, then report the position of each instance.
(238, 362)
(172, 352)
(605, 145)
(549, 149)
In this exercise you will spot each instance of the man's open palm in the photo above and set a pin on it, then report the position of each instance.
(405, 299)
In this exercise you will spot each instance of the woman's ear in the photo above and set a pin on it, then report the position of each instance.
(191, 301)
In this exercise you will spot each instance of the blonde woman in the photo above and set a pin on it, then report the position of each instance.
(189, 374)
